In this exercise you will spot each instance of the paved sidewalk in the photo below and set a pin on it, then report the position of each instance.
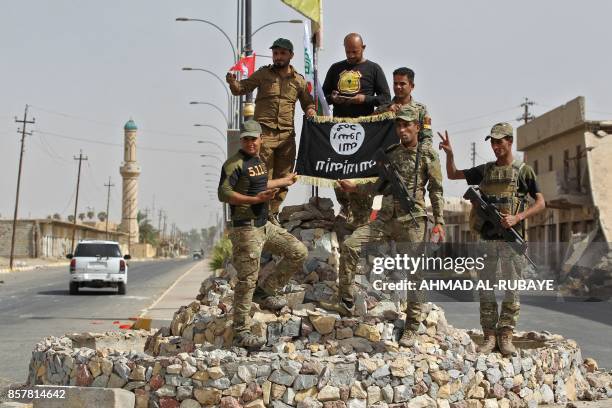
(182, 292)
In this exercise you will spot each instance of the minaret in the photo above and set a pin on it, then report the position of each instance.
(130, 170)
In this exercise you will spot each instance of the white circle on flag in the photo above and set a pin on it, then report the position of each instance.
(346, 138)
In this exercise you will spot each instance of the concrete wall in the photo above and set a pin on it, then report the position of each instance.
(49, 238)
(600, 157)
(24, 238)
(143, 250)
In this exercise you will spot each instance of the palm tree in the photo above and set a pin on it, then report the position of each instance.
(81, 216)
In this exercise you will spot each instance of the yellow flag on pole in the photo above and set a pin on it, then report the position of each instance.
(309, 8)
(313, 10)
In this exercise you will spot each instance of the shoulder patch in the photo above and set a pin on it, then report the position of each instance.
(392, 147)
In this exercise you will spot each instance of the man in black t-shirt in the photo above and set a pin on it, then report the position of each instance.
(506, 183)
(355, 86)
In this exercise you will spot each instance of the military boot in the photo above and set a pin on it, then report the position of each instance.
(344, 308)
(488, 342)
(505, 341)
(408, 338)
(269, 302)
(248, 340)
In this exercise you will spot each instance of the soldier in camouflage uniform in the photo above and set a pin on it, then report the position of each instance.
(392, 221)
(278, 86)
(403, 84)
(506, 183)
(244, 184)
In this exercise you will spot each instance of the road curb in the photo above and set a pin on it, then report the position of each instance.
(145, 322)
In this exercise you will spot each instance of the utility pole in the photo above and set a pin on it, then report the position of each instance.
(164, 230)
(473, 154)
(159, 222)
(24, 123)
(129, 223)
(76, 200)
(526, 117)
(109, 185)
(248, 50)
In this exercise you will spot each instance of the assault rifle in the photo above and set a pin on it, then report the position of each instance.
(491, 215)
(389, 173)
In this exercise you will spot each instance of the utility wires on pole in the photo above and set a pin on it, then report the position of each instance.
(473, 154)
(81, 158)
(527, 116)
(24, 123)
(109, 185)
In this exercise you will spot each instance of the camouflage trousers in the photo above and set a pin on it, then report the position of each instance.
(377, 231)
(356, 207)
(247, 245)
(278, 153)
(512, 265)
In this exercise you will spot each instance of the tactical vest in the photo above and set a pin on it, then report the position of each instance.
(500, 185)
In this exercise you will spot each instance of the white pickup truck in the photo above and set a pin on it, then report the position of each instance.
(98, 264)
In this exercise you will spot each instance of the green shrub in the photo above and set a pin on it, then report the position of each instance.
(221, 253)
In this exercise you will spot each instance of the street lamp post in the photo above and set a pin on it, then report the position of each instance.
(214, 144)
(223, 135)
(277, 22)
(234, 53)
(214, 106)
(230, 113)
(214, 157)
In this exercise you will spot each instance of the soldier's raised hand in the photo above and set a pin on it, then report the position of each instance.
(290, 179)
(347, 185)
(230, 77)
(445, 143)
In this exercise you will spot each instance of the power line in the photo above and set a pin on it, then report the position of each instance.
(153, 149)
(478, 117)
(109, 124)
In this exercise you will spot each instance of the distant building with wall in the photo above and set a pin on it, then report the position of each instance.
(572, 158)
(50, 238)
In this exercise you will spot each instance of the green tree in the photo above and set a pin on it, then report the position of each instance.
(71, 218)
(146, 233)
(56, 216)
(81, 216)
(102, 216)
(91, 214)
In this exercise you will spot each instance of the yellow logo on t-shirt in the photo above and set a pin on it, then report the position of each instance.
(258, 170)
(349, 82)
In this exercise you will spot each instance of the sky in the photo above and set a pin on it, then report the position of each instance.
(85, 68)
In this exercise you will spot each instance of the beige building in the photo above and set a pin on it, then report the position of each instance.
(572, 157)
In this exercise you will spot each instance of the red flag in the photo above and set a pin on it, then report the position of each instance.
(246, 65)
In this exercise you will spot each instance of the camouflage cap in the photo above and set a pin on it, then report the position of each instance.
(250, 128)
(282, 43)
(407, 113)
(500, 130)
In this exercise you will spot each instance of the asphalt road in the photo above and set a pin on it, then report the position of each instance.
(36, 304)
(588, 323)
